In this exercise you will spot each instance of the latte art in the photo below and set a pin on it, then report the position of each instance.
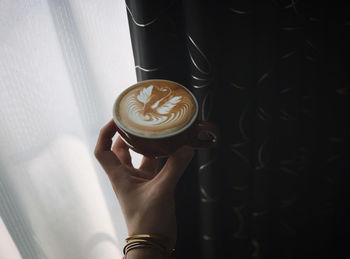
(144, 112)
(156, 108)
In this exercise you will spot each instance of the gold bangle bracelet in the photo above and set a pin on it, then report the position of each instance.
(148, 237)
(145, 242)
(148, 241)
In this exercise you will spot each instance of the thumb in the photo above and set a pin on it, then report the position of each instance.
(174, 167)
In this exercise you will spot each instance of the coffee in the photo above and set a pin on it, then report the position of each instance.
(155, 108)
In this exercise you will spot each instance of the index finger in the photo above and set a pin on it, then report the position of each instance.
(103, 152)
(122, 151)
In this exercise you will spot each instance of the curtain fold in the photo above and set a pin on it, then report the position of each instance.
(273, 76)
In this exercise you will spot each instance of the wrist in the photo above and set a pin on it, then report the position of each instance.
(166, 241)
(166, 231)
(146, 244)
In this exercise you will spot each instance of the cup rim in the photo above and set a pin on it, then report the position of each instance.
(119, 124)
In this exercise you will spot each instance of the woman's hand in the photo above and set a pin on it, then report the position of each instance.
(145, 196)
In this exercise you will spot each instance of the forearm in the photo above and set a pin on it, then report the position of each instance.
(145, 253)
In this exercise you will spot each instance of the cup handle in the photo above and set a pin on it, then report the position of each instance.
(205, 126)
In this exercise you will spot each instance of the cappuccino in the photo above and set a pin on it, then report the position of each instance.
(155, 108)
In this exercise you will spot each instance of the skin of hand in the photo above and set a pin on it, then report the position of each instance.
(146, 197)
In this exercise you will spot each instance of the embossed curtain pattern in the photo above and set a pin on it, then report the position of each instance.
(274, 76)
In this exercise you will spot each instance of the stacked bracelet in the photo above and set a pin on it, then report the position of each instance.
(147, 241)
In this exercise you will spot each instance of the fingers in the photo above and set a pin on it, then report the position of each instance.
(149, 165)
(174, 168)
(103, 152)
(122, 151)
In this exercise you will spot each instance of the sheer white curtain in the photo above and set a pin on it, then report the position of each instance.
(62, 63)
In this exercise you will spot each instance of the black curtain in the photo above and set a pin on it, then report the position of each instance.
(274, 76)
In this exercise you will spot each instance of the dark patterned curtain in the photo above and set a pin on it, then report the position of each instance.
(274, 76)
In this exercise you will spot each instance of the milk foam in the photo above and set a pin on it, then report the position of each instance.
(156, 109)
